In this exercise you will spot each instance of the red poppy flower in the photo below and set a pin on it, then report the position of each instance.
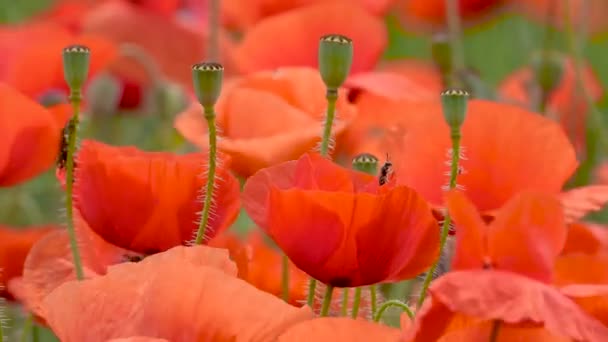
(581, 201)
(339, 329)
(29, 136)
(580, 268)
(149, 201)
(267, 118)
(586, 238)
(292, 38)
(35, 62)
(431, 14)
(526, 310)
(49, 264)
(565, 103)
(507, 149)
(526, 235)
(172, 45)
(339, 226)
(14, 246)
(190, 293)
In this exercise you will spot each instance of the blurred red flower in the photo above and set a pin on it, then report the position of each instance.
(29, 136)
(149, 201)
(339, 226)
(190, 293)
(267, 117)
(339, 329)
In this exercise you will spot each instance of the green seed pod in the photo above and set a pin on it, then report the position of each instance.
(367, 163)
(335, 59)
(76, 60)
(454, 103)
(548, 70)
(207, 80)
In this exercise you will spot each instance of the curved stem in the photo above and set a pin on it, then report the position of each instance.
(445, 228)
(285, 277)
(75, 99)
(329, 290)
(345, 298)
(208, 201)
(332, 97)
(312, 287)
(393, 302)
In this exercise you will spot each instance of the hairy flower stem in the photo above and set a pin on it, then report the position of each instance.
(356, 303)
(332, 97)
(345, 298)
(285, 277)
(210, 117)
(329, 290)
(445, 228)
(75, 100)
(388, 304)
(373, 299)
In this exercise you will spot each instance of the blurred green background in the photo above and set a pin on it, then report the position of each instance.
(494, 48)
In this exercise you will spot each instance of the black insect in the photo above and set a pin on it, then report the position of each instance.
(133, 258)
(63, 145)
(386, 171)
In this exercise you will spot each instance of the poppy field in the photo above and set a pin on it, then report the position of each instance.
(303, 170)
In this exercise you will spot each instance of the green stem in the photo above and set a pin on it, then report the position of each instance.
(332, 97)
(210, 117)
(495, 331)
(312, 287)
(345, 297)
(329, 290)
(75, 99)
(445, 228)
(285, 277)
(373, 299)
(393, 302)
(356, 303)
(214, 33)
(26, 330)
(454, 37)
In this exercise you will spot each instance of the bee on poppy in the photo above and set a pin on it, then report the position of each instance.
(386, 171)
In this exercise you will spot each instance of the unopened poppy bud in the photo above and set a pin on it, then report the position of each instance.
(335, 59)
(548, 70)
(76, 60)
(103, 94)
(366, 162)
(454, 103)
(207, 80)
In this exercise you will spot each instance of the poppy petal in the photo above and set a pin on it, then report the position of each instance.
(339, 329)
(296, 35)
(213, 306)
(591, 298)
(471, 237)
(584, 200)
(586, 238)
(528, 234)
(580, 268)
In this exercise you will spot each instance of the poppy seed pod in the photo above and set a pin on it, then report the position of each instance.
(366, 162)
(454, 104)
(207, 80)
(548, 70)
(76, 60)
(335, 59)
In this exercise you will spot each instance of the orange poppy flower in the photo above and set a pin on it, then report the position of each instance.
(173, 46)
(431, 14)
(339, 329)
(292, 38)
(565, 104)
(507, 149)
(241, 14)
(49, 264)
(267, 118)
(526, 235)
(589, 14)
(581, 201)
(213, 306)
(35, 62)
(580, 268)
(586, 238)
(149, 201)
(526, 310)
(339, 226)
(14, 246)
(29, 136)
